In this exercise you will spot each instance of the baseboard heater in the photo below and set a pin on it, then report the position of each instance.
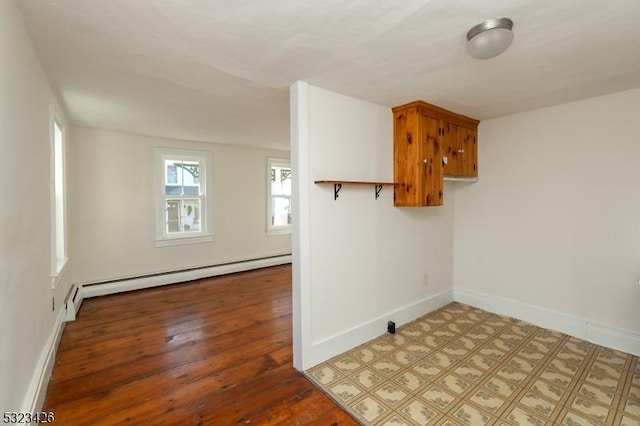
(74, 300)
(154, 280)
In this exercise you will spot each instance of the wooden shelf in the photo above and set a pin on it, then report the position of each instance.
(354, 182)
(460, 179)
(337, 185)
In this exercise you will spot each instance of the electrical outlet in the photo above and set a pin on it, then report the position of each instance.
(425, 279)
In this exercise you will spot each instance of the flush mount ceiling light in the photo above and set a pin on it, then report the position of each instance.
(490, 38)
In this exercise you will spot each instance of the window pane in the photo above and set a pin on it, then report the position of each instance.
(183, 215)
(280, 211)
(191, 190)
(191, 215)
(172, 179)
(182, 177)
(173, 190)
(172, 219)
(171, 172)
(280, 180)
(286, 181)
(191, 172)
(190, 178)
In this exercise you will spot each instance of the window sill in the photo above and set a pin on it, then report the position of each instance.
(278, 231)
(61, 265)
(166, 242)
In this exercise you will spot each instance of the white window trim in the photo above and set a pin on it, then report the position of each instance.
(205, 233)
(282, 229)
(58, 265)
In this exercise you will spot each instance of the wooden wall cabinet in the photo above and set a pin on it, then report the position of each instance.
(460, 150)
(429, 144)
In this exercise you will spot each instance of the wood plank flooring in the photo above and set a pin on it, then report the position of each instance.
(216, 351)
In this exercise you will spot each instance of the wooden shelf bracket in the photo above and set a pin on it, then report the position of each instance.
(336, 190)
(377, 189)
(337, 186)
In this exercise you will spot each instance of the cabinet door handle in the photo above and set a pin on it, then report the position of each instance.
(461, 151)
(425, 161)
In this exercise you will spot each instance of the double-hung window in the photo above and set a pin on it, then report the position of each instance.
(182, 197)
(279, 190)
(58, 208)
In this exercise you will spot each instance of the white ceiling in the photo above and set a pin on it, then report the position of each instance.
(219, 70)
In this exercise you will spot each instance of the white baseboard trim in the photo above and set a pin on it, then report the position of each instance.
(622, 340)
(37, 390)
(329, 347)
(93, 290)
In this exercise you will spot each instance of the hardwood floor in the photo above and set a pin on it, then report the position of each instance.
(210, 352)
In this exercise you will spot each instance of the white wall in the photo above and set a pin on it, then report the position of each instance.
(358, 261)
(554, 221)
(114, 207)
(27, 321)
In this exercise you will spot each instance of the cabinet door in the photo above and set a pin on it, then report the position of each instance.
(461, 154)
(406, 149)
(430, 160)
(468, 152)
(451, 158)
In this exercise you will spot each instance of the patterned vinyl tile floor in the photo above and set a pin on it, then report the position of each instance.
(464, 366)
